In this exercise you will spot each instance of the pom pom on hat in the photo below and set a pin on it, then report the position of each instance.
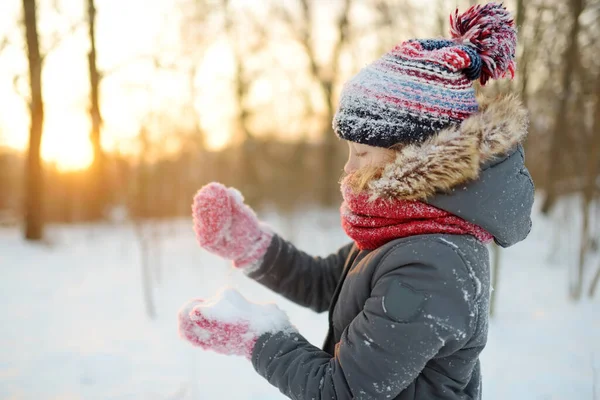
(489, 30)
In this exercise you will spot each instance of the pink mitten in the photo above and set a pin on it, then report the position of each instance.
(227, 227)
(229, 324)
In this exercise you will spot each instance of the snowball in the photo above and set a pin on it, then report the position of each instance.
(229, 306)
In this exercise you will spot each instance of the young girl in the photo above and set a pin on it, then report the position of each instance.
(433, 175)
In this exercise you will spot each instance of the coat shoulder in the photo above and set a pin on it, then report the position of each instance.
(440, 259)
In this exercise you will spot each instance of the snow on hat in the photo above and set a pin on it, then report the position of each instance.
(423, 86)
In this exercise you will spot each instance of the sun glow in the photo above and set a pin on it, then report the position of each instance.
(66, 143)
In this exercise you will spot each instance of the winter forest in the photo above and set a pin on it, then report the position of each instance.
(114, 113)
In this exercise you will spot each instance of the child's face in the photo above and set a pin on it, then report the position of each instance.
(362, 155)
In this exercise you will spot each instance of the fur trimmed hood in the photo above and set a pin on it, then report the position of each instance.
(475, 171)
(456, 154)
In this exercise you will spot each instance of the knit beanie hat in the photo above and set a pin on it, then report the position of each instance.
(424, 86)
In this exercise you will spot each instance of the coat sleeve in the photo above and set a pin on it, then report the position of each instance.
(413, 312)
(305, 280)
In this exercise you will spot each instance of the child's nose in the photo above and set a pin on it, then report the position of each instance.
(349, 167)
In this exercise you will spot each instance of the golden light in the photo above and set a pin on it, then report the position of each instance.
(66, 143)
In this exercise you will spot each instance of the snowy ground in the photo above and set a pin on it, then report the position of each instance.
(73, 323)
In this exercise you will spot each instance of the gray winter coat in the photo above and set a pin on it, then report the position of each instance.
(407, 320)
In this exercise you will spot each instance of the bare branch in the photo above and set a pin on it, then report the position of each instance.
(153, 58)
(4, 43)
(16, 81)
(594, 285)
(342, 28)
(301, 32)
(58, 38)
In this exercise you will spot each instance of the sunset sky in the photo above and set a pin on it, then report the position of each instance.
(128, 32)
(122, 36)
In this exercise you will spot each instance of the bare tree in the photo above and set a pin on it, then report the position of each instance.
(590, 193)
(519, 19)
(496, 254)
(34, 218)
(528, 46)
(561, 123)
(4, 174)
(197, 131)
(4, 179)
(393, 19)
(97, 200)
(441, 18)
(142, 224)
(326, 75)
(244, 78)
(594, 284)
(34, 181)
(195, 36)
(4, 43)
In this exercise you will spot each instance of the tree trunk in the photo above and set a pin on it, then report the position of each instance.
(199, 138)
(331, 168)
(528, 51)
(34, 216)
(97, 200)
(522, 63)
(247, 164)
(5, 179)
(495, 277)
(594, 284)
(520, 13)
(561, 124)
(590, 191)
(142, 231)
(441, 18)
(577, 287)
(325, 75)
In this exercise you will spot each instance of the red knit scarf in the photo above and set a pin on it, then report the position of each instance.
(372, 224)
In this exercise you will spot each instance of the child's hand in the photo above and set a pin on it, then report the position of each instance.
(229, 324)
(227, 227)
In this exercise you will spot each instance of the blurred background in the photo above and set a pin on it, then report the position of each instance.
(115, 112)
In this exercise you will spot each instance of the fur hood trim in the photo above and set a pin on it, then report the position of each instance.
(456, 154)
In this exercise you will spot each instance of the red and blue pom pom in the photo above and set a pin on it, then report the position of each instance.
(490, 30)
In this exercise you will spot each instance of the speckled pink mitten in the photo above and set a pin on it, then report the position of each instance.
(229, 324)
(227, 227)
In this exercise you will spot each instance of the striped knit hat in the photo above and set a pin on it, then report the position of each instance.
(423, 86)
